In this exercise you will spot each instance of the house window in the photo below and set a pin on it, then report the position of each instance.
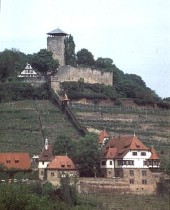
(145, 163)
(131, 172)
(155, 163)
(42, 162)
(144, 173)
(120, 162)
(52, 173)
(131, 181)
(103, 163)
(8, 161)
(131, 162)
(143, 153)
(16, 161)
(134, 153)
(144, 181)
(110, 162)
(42, 173)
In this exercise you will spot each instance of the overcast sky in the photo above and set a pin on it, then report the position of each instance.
(134, 33)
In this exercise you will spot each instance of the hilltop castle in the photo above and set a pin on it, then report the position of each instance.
(55, 44)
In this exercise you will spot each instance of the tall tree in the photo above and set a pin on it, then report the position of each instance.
(70, 56)
(88, 155)
(11, 63)
(84, 57)
(44, 62)
(104, 63)
(64, 145)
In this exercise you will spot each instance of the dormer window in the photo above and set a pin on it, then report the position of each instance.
(134, 153)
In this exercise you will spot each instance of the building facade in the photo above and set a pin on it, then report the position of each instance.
(127, 158)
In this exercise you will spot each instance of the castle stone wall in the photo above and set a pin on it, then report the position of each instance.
(88, 75)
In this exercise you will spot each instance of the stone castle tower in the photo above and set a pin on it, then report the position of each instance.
(55, 44)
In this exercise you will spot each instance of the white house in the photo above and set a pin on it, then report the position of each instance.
(28, 72)
(128, 158)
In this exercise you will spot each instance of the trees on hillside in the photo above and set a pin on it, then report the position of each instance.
(70, 56)
(104, 63)
(11, 63)
(44, 62)
(84, 57)
(85, 152)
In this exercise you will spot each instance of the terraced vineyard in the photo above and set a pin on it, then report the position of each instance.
(25, 124)
(152, 126)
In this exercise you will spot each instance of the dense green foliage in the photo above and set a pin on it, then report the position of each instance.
(44, 62)
(35, 196)
(85, 58)
(20, 91)
(70, 56)
(84, 152)
(11, 63)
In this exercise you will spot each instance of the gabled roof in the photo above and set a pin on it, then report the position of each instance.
(123, 144)
(62, 162)
(16, 160)
(111, 153)
(47, 152)
(103, 135)
(57, 32)
(154, 155)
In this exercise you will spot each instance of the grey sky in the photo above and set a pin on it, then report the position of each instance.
(134, 33)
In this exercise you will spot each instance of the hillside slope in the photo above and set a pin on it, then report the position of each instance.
(152, 126)
(25, 124)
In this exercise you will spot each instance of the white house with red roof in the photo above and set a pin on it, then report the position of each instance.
(128, 158)
(53, 168)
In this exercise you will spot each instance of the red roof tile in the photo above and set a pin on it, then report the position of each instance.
(18, 161)
(123, 144)
(154, 155)
(62, 162)
(111, 153)
(103, 135)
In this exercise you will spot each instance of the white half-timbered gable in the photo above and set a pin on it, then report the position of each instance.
(28, 72)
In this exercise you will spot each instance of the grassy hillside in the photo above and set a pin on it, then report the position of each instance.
(25, 124)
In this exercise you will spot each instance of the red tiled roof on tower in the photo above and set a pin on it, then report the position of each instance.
(102, 136)
(16, 160)
(62, 162)
(47, 152)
